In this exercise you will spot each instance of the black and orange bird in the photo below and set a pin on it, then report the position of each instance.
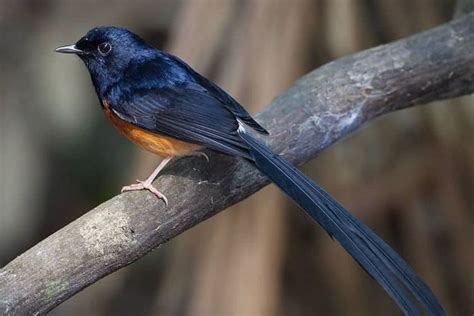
(162, 104)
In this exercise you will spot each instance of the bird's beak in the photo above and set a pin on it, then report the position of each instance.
(69, 49)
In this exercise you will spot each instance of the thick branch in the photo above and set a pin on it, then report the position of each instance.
(318, 110)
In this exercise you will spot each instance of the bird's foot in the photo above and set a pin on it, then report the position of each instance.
(198, 154)
(145, 185)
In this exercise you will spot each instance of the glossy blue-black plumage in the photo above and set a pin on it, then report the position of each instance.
(160, 93)
(133, 68)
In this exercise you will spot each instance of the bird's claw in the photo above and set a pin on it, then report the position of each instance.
(144, 185)
(199, 154)
(205, 156)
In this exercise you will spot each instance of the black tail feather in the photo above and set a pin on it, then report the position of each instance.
(377, 258)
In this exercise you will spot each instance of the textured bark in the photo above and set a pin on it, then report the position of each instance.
(315, 112)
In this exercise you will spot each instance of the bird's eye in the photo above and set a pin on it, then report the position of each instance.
(104, 48)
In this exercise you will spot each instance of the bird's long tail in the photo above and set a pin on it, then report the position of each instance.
(370, 251)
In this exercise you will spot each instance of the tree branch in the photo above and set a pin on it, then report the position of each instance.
(318, 110)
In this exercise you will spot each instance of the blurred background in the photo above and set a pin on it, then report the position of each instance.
(409, 175)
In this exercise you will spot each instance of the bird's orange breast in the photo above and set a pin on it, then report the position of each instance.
(159, 144)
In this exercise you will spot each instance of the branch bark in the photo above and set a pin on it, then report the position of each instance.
(315, 112)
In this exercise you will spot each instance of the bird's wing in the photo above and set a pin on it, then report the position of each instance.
(232, 105)
(185, 112)
(227, 101)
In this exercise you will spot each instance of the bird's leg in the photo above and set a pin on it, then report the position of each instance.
(147, 184)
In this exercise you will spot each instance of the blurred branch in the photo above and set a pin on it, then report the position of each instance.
(315, 112)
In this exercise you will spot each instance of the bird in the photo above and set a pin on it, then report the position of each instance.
(159, 102)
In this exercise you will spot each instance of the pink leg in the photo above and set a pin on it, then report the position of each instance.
(147, 184)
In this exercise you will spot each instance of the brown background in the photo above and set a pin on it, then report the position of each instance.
(409, 175)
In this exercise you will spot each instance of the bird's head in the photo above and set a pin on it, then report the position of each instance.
(107, 52)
